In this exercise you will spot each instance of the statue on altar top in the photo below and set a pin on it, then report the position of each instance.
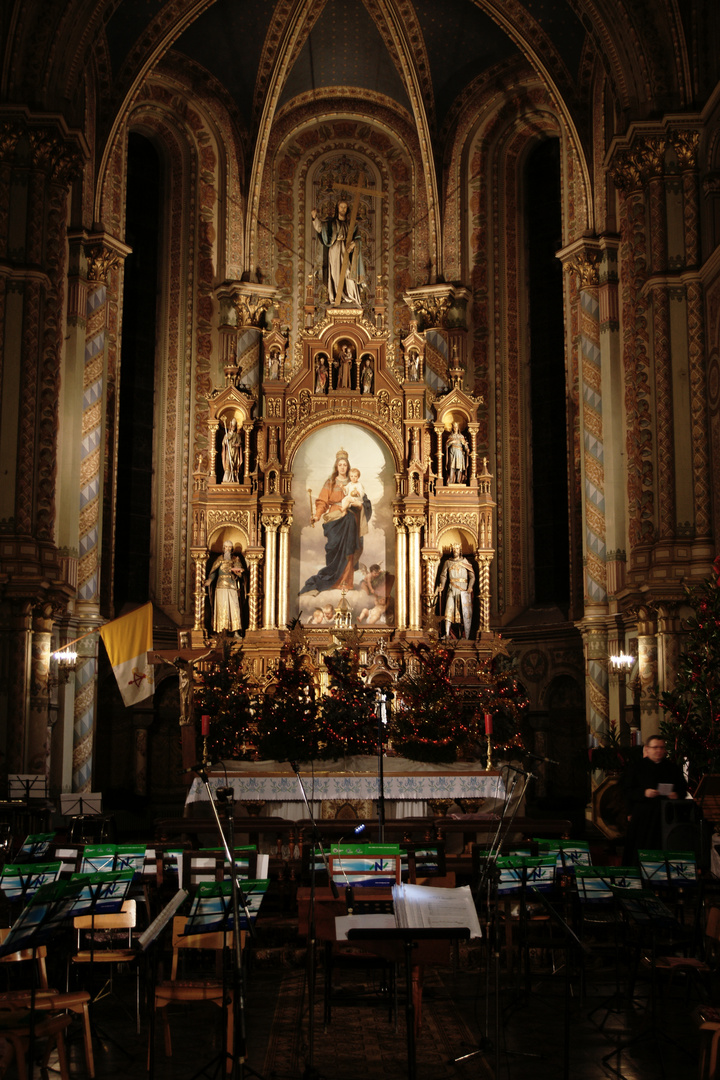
(333, 234)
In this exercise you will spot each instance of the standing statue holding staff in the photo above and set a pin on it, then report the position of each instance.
(458, 603)
(333, 233)
(232, 454)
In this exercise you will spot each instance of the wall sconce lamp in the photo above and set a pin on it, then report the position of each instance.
(622, 662)
(66, 661)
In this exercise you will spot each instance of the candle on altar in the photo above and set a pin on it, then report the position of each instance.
(488, 723)
(205, 725)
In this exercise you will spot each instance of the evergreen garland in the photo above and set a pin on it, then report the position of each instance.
(429, 709)
(691, 725)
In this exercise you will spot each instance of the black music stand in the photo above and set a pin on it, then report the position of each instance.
(408, 939)
(651, 917)
(48, 910)
(311, 1072)
(148, 941)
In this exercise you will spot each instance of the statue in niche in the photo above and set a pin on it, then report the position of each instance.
(232, 454)
(343, 361)
(459, 576)
(414, 366)
(322, 374)
(366, 376)
(333, 234)
(273, 363)
(223, 585)
(457, 453)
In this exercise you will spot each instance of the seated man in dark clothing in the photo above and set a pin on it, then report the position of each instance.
(646, 785)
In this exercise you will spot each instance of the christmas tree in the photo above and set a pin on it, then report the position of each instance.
(223, 692)
(691, 726)
(348, 721)
(288, 723)
(426, 724)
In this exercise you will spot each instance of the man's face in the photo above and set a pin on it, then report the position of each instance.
(342, 208)
(656, 749)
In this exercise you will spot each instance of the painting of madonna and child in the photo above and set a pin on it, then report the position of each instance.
(344, 539)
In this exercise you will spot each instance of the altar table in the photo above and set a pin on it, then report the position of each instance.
(408, 785)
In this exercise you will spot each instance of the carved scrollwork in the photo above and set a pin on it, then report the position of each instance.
(383, 404)
(396, 412)
(466, 520)
(216, 518)
(292, 411)
(305, 404)
(432, 310)
(250, 309)
(61, 160)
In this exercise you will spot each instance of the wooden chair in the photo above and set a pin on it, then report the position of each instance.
(212, 989)
(109, 953)
(46, 999)
(15, 1028)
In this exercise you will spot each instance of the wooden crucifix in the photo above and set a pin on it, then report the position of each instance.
(351, 229)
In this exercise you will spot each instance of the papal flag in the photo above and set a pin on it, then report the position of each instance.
(128, 641)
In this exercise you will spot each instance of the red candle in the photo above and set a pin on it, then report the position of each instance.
(488, 723)
(205, 725)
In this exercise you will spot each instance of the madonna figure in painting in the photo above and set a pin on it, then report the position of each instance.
(344, 530)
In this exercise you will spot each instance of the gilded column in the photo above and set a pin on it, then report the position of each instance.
(401, 571)
(253, 559)
(247, 429)
(284, 571)
(483, 587)
(200, 560)
(272, 523)
(414, 526)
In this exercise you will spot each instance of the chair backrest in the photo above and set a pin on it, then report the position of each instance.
(124, 919)
(27, 954)
(181, 940)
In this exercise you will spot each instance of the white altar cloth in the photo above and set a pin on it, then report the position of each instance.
(354, 778)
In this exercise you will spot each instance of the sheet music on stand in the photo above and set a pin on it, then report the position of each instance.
(422, 906)
(27, 786)
(419, 907)
(211, 909)
(73, 805)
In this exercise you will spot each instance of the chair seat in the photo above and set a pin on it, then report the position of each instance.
(104, 956)
(189, 991)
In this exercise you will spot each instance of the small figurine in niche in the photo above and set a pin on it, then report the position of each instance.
(414, 366)
(456, 455)
(458, 602)
(273, 363)
(345, 364)
(322, 374)
(232, 454)
(366, 376)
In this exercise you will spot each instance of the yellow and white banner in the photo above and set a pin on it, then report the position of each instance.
(128, 641)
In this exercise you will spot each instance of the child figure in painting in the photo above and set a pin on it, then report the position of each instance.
(354, 491)
(318, 617)
(329, 613)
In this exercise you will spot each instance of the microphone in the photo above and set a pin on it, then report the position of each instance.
(349, 899)
(540, 757)
(200, 767)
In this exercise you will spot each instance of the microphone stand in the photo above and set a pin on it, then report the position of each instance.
(381, 714)
(311, 1073)
(239, 1049)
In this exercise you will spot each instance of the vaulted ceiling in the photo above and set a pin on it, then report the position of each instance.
(423, 55)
